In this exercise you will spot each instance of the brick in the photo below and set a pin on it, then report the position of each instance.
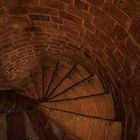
(66, 29)
(54, 4)
(41, 35)
(120, 32)
(74, 26)
(81, 31)
(48, 25)
(81, 5)
(57, 32)
(101, 19)
(94, 40)
(72, 46)
(96, 2)
(3, 11)
(105, 38)
(8, 45)
(133, 48)
(36, 10)
(19, 10)
(121, 46)
(70, 17)
(130, 7)
(135, 32)
(113, 68)
(32, 29)
(90, 26)
(39, 17)
(79, 13)
(37, 39)
(117, 14)
(73, 39)
(46, 10)
(57, 20)
(87, 54)
(23, 3)
(119, 3)
(119, 57)
(54, 43)
(67, 1)
(58, 41)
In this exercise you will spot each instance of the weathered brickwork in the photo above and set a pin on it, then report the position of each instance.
(82, 31)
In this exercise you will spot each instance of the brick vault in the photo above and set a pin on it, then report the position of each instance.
(69, 69)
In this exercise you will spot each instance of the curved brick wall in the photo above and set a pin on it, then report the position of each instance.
(102, 35)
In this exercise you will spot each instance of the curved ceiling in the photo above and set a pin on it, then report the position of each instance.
(101, 35)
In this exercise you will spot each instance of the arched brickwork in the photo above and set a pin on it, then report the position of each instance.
(102, 35)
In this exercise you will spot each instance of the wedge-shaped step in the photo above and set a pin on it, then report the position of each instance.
(62, 70)
(30, 88)
(47, 78)
(110, 130)
(38, 82)
(99, 106)
(77, 75)
(91, 86)
(49, 71)
(86, 128)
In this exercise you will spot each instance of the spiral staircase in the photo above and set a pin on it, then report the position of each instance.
(59, 101)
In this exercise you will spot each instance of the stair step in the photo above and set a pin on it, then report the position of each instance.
(49, 71)
(47, 78)
(37, 79)
(99, 106)
(61, 72)
(78, 74)
(86, 128)
(110, 130)
(92, 86)
(76, 100)
(30, 88)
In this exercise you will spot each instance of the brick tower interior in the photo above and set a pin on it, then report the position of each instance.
(69, 69)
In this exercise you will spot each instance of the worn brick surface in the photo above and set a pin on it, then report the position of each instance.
(95, 33)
